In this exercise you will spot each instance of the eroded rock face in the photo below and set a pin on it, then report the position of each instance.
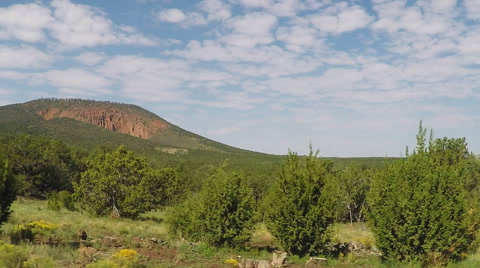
(110, 118)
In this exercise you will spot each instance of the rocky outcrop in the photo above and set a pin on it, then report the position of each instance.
(110, 118)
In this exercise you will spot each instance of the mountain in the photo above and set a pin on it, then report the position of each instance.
(91, 125)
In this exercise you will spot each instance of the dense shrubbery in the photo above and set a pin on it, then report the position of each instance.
(300, 209)
(123, 184)
(220, 215)
(42, 165)
(8, 189)
(352, 185)
(419, 208)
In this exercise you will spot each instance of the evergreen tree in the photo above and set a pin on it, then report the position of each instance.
(8, 189)
(220, 215)
(122, 183)
(299, 211)
(419, 206)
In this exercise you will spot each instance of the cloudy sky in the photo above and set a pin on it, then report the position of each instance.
(352, 77)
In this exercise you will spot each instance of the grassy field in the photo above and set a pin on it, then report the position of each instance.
(110, 241)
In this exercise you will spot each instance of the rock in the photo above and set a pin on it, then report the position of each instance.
(316, 262)
(109, 241)
(87, 252)
(111, 118)
(251, 263)
(278, 258)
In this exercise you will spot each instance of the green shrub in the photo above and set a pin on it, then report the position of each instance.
(37, 262)
(125, 258)
(8, 189)
(21, 233)
(27, 232)
(12, 256)
(59, 200)
(418, 206)
(299, 211)
(220, 215)
(121, 184)
(53, 202)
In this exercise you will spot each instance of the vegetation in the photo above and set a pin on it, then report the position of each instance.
(174, 206)
(353, 184)
(418, 206)
(42, 165)
(123, 185)
(220, 215)
(300, 209)
(8, 189)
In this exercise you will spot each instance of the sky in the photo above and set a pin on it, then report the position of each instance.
(353, 78)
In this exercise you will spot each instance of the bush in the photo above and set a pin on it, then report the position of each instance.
(419, 208)
(12, 256)
(125, 258)
(220, 215)
(8, 190)
(121, 184)
(59, 200)
(299, 211)
(28, 232)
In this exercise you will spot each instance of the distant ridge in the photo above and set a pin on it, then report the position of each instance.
(63, 118)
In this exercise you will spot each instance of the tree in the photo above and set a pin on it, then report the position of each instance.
(122, 183)
(419, 206)
(299, 210)
(42, 165)
(221, 214)
(353, 184)
(8, 189)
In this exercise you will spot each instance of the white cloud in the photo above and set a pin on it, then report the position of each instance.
(217, 10)
(258, 23)
(173, 15)
(76, 79)
(24, 22)
(23, 57)
(256, 3)
(346, 19)
(420, 18)
(90, 58)
(73, 25)
(473, 9)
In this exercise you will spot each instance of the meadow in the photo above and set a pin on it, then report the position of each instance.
(148, 237)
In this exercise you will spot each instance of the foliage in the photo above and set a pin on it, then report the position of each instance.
(353, 184)
(42, 165)
(419, 206)
(125, 184)
(220, 215)
(59, 200)
(125, 258)
(8, 189)
(27, 232)
(36, 262)
(300, 208)
(12, 256)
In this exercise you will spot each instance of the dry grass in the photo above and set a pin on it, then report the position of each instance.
(359, 232)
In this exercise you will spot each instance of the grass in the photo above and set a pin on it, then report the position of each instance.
(358, 232)
(137, 235)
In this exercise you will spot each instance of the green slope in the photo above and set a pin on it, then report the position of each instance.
(168, 147)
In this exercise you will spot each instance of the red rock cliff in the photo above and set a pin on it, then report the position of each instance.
(112, 119)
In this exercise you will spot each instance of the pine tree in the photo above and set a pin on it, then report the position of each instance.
(222, 214)
(419, 208)
(8, 189)
(299, 210)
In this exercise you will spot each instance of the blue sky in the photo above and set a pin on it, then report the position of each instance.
(352, 77)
